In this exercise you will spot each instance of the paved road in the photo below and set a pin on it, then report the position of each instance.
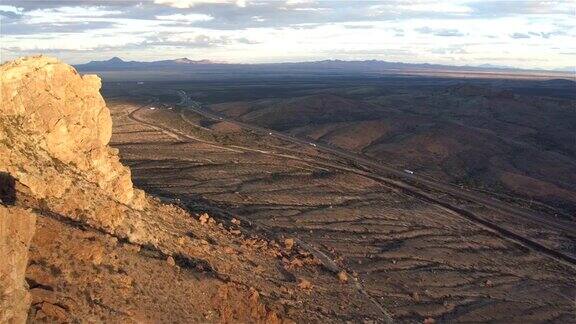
(424, 188)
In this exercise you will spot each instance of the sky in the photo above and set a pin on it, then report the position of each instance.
(518, 33)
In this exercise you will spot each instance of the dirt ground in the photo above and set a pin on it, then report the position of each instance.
(415, 259)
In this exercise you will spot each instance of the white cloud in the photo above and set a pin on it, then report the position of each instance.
(287, 30)
(64, 13)
(299, 2)
(436, 7)
(10, 9)
(191, 3)
(192, 17)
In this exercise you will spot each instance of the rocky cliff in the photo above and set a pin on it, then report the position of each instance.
(54, 158)
(51, 109)
(16, 230)
(54, 131)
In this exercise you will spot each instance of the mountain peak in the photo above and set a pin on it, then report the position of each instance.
(116, 59)
(183, 60)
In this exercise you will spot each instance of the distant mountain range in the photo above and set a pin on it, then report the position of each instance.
(118, 63)
(184, 68)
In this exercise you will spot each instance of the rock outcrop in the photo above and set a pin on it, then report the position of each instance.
(16, 230)
(48, 107)
(54, 131)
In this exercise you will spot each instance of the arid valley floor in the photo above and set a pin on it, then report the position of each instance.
(287, 161)
(299, 198)
(413, 257)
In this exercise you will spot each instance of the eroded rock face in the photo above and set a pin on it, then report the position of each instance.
(55, 161)
(46, 106)
(16, 231)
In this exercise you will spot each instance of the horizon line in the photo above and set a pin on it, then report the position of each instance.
(487, 66)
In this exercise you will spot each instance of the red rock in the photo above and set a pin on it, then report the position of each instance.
(170, 260)
(343, 276)
(16, 230)
(304, 284)
(289, 243)
(204, 218)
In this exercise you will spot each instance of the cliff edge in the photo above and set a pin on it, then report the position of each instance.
(61, 113)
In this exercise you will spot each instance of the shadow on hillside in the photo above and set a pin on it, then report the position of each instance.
(7, 189)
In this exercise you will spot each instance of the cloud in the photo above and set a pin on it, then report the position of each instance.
(498, 8)
(28, 5)
(449, 51)
(433, 6)
(299, 2)
(192, 3)
(63, 27)
(244, 40)
(157, 40)
(544, 35)
(448, 32)
(252, 30)
(236, 14)
(10, 12)
(439, 31)
(379, 51)
(191, 17)
(187, 41)
(359, 26)
(548, 34)
(519, 36)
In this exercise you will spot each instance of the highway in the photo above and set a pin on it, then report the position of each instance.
(424, 189)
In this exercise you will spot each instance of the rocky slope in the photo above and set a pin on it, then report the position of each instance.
(103, 250)
(16, 230)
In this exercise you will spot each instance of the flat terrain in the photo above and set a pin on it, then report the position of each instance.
(414, 258)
